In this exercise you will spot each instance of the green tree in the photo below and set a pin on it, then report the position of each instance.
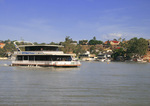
(94, 41)
(83, 42)
(9, 47)
(137, 47)
(2, 52)
(68, 47)
(79, 49)
(92, 49)
(115, 39)
(108, 44)
(53, 43)
(68, 39)
(94, 38)
(119, 39)
(35, 43)
(118, 52)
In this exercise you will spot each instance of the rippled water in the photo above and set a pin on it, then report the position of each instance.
(92, 84)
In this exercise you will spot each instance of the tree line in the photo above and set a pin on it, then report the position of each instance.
(133, 48)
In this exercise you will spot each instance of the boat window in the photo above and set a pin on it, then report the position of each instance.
(41, 48)
(31, 58)
(19, 58)
(45, 58)
(25, 57)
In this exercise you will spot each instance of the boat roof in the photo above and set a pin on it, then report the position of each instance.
(40, 45)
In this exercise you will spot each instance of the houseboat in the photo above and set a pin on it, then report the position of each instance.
(42, 55)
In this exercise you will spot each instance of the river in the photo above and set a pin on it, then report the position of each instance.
(91, 84)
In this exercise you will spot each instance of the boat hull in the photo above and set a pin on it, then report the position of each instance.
(47, 63)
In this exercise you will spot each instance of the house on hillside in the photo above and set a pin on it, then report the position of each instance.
(113, 43)
(74, 43)
(2, 45)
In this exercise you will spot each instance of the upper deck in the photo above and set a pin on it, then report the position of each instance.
(40, 47)
(40, 50)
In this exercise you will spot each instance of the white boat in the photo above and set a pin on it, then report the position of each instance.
(42, 55)
(107, 60)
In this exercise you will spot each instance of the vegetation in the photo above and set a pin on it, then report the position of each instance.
(118, 53)
(8, 48)
(94, 41)
(137, 47)
(83, 42)
(133, 48)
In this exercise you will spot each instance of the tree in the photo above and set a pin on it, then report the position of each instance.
(68, 39)
(108, 43)
(83, 42)
(94, 38)
(137, 47)
(92, 50)
(118, 52)
(2, 52)
(53, 43)
(68, 47)
(35, 43)
(115, 39)
(119, 39)
(79, 49)
(94, 41)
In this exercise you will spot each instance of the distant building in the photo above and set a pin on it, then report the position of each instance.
(74, 43)
(107, 50)
(114, 44)
(2, 45)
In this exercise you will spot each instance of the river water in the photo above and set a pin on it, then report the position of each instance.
(92, 84)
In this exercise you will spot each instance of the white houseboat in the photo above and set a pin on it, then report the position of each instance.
(42, 55)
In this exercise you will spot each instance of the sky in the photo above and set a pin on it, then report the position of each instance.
(52, 20)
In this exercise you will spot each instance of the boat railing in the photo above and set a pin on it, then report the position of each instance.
(38, 52)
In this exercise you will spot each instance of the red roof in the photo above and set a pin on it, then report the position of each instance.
(118, 48)
(106, 42)
(1, 43)
(115, 41)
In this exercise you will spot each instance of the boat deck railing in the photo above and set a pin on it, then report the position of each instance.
(38, 52)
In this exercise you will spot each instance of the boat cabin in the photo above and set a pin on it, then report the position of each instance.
(44, 58)
(42, 55)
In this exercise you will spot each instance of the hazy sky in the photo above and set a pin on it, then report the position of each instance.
(53, 20)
